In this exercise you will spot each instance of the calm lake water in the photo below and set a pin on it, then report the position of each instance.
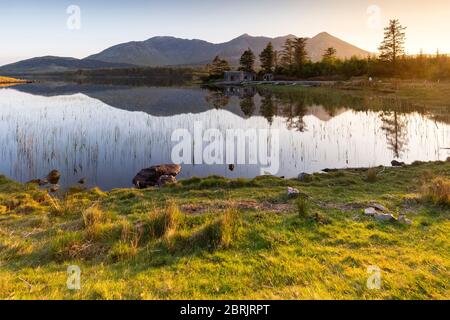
(109, 133)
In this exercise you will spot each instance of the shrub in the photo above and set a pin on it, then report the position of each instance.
(438, 191)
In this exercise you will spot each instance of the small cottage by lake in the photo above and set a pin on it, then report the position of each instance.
(239, 76)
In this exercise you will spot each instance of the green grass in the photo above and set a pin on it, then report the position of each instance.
(216, 238)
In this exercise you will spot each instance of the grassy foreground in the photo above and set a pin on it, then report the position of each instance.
(215, 238)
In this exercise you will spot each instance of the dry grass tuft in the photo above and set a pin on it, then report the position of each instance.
(302, 206)
(219, 234)
(93, 216)
(163, 222)
(438, 191)
(372, 175)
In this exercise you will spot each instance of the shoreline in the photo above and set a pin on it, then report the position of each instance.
(6, 81)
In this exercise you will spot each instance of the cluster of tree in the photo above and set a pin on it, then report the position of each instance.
(293, 61)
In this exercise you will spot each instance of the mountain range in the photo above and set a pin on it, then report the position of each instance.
(171, 51)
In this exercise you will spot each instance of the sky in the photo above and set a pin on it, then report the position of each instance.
(30, 28)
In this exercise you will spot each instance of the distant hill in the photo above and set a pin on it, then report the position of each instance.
(170, 51)
(56, 64)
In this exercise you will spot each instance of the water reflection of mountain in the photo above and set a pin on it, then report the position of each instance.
(156, 101)
(84, 137)
(168, 101)
(242, 101)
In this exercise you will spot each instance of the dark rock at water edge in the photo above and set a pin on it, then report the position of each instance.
(305, 177)
(396, 163)
(157, 175)
(54, 176)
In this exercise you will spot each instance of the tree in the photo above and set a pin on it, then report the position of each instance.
(300, 54)
(247, 105)
(329, 55)
(217, 68)
(247, 61)
(287, 55)
(217, 99)
(268, 109)
(267, 58)
(395, 127)
(393, 45)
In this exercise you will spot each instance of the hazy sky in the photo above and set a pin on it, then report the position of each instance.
(38, 28)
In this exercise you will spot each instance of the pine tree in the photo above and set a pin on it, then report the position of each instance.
(300, 54)
(247, 61)
(393, 45)
(267, 58)
(217, 68)
(287, 55)
(330, 55)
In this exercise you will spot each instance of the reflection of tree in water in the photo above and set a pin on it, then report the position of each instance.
(217, 99)
(268, 108)
(394, 125)
(248, 105)
(294, 112)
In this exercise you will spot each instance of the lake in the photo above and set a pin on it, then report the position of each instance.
(108, 133)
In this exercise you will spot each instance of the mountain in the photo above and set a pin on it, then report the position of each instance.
(317, 45)
(170, 51)
(56, 64)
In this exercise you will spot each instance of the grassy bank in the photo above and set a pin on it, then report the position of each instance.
(244, 239)
(430, 98)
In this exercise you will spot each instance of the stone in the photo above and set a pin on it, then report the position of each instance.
(166, 179)
(378, 207)
(292, 192)
(370, 212)
(404, 220)
(305, 177)
(396, 163)
(149, 177)
(54, 176)
(385, 217)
